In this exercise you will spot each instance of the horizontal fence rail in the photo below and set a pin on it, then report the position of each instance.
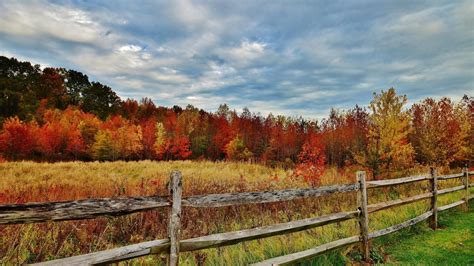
(113, 255)
(91, 208)
(446, 177)
(451, 189)
(388, 204)
(307, 254)
(77, 210)
(229, 199)
(173, 245)
(209, 241)
(397, 181)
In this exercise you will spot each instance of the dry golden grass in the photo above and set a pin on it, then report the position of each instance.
(34, 182)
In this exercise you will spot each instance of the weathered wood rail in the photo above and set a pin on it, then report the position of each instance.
(173, 245)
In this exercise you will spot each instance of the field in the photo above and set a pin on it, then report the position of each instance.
(453, 244)
(35, 182)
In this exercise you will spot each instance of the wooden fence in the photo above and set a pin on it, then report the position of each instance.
(173, 245)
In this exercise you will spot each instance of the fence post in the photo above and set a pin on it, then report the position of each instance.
(174, 225)
(466, 184)
(434, 198)
(363, 215)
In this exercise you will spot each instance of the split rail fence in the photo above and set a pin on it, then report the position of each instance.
(173, 245)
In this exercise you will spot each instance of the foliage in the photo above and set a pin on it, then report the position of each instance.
(441, 131)
(17, 139)
(104, 148)
(61, 113)
(311, 162)
(236, 150)
(26, 181)
(388, 146)
(161, 142)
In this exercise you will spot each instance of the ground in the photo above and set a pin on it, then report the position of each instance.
(37, 182)
(451, 244)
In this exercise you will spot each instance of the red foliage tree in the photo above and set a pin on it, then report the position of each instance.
(17, 140)
(311, 161)
(180, 148)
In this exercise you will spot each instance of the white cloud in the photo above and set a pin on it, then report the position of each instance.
(42, 19)
(412, 78)
(130, 48)
(206, 53)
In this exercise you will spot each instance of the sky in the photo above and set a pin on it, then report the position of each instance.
(296, 58)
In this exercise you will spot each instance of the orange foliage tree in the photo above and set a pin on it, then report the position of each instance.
(17, 140)
(311, 162)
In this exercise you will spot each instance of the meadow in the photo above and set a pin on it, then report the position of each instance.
(22, 182)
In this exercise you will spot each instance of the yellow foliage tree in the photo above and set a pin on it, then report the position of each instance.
(129, 140)
(104, 147)
(161, 141)
(388, 146)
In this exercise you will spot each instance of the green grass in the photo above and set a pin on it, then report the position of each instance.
(37, 182)
(451, 244)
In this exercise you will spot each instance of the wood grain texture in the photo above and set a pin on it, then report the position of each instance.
(396, 181)
(91, 208)
(75, 210)
(174, 225)
(434, 198)
(452, 205)
(230, 238)
(307, 254)
(364, 216)
(450, 190)
(215, 240)
(113, 255)
(400, 226)
(229, 199)
(451, 176)
(388, 204)
(466, 188)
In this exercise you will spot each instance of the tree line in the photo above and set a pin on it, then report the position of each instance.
(54, 114)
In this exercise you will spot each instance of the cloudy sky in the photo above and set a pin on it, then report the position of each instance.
(285, 57)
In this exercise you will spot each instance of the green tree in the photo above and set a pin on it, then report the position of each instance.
(100, 100)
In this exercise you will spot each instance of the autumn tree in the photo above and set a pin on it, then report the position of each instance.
(104, 147)
(161, 141)
(88, 126)
(344, 135)
(17, 139)
(129, 109)
(180, 148)
(193, 124)
(236, 150)
(388, 145)
(440, 131)
(60, 136)
(311, 161)
(51, 88)
(148, 138)
(128, 139)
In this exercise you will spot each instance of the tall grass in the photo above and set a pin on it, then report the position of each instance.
(35, 182)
